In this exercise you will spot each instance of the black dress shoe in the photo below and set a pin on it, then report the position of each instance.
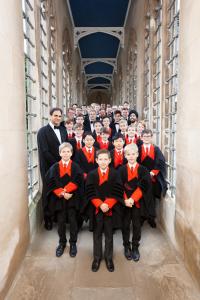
(96, 265)
(60, 249)
(110, 265)
(127, 253)
(73, 250)
(152, 222)
(48, 225)
(135, 254)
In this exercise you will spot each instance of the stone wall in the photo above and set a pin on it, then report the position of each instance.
(187, 219)
(14, 223)
(18, 220)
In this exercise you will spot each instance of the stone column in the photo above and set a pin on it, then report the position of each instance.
(14, 222)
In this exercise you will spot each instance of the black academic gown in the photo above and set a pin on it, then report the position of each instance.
(82, 161)
(160, 186)
(54, 181)
(143, 181)
(112, 159)
(112, 188)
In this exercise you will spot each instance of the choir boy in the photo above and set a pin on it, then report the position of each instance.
(104, 193)
(137, 184)
(64, 181)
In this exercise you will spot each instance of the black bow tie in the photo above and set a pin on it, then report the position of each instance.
(56, 127)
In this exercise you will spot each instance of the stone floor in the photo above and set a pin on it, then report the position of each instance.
(159, 275)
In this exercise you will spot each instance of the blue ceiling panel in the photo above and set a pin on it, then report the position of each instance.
(98, 80)
(99, 13)
(99, 68)
(99, 45)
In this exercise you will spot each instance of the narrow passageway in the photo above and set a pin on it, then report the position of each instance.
(159, 275)
(99, 61)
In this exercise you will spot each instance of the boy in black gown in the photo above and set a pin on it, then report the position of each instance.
(64, 182)
(137, 184)
(151, 157)
(103, 191)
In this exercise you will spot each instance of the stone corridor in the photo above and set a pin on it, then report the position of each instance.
(159, 275)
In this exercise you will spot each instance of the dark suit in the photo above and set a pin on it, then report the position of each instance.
(113, 127)
(87, 124)
(48, 150)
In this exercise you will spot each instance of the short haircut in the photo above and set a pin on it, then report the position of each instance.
(105, 130)
(147, 131)
(123, 121)
(105, 117)
(71, 108)
(92, 110)
(68, 121)
(80, 115)
(52, 110)
(117, 112)
(118, 136)
(97, 122)
(87, 133)
(65, 145)
(103, 151)
(141, 122)
(78, 126)
(129, 147)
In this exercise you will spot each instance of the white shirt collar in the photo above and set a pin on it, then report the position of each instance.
(103, 171)
(147, 146)
(65, 163)
(119, 151)
(88, 149)
(132, 166)
(51, 124)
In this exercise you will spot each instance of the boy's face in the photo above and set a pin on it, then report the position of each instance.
(106, 122)
(79, 120)
(109, 110)
(65, 154)
(117, 117)
(69, 126)
(89, 141)
(123, 126)
(103, 161)
(147, 138)
(104, 136)
(102, 113)
(78, 132)
(140, 128)
(131, 131)
(125, 113)
(78, 111)
(131, 156)
(71, 114)
(119, 143)
(97, 127)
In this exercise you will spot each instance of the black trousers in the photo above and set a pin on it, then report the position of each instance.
(73, 225)
(131, 215)
(102, 224)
